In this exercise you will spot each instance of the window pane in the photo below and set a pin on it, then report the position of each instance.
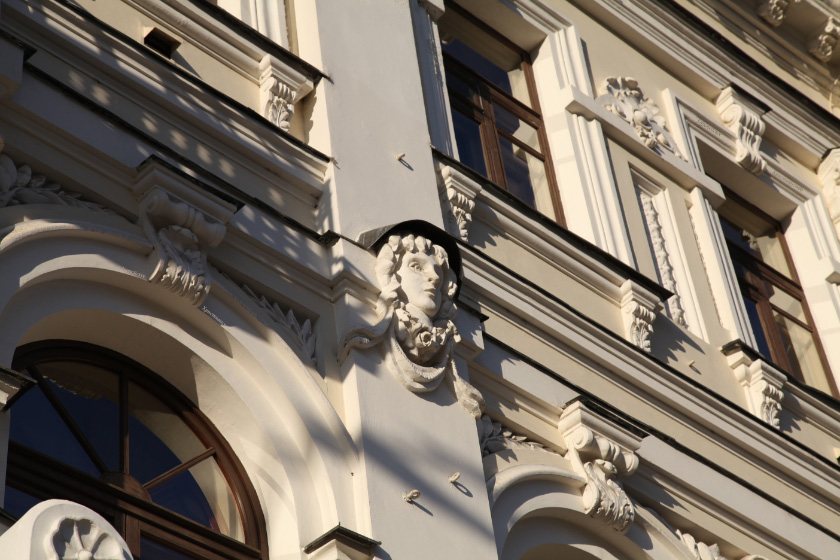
(526, 177)
(802, 353)
(91, 396)
(758, 329)
(468, 139)
(456, 85)
(787, 303)
(151, 550)
(17, 503)
(483, 54)
(516, 127)
(771, 252)
(201, 494)
(158, 438)
(37, 425)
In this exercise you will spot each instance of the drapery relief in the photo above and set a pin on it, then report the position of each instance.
(414, 318)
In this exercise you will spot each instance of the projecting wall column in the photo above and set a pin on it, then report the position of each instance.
(719, 270)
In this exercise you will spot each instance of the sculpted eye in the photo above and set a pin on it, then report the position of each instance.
(416, 266)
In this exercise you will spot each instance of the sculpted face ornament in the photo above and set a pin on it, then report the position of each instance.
(415, 312)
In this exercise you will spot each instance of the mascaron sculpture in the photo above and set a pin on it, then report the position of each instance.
(414, 318)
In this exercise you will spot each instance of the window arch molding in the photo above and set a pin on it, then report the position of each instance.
(116, 493)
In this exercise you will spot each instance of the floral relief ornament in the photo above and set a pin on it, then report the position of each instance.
(81, 539)
(624, 98)
(414, 318)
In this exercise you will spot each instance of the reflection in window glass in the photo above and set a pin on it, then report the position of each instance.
(503, 71)
(516, 127)
(758, 330)
(201, 494)
(802, 353)
(91, 396)
(159, 439)
(36, 424)
(468, 139)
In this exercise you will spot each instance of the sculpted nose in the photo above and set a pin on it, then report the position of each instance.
(434, 278)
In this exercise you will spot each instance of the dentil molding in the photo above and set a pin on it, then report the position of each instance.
(414, 318)
(774, 11)
(602, 461)
(824, 43)
(623, 97)
(744, 118)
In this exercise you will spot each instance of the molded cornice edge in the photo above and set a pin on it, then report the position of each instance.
(500, 290)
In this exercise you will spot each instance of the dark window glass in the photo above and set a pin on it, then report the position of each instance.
(468, 139)
(17, 503)
(152, 550)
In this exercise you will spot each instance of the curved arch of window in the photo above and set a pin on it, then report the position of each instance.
(104, 431)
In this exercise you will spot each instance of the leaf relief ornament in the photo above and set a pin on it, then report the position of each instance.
(624, 98)
(18, 185)
(414, 318)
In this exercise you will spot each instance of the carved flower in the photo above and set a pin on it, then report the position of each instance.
(81, 539)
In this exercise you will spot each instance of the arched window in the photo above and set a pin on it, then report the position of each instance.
(103, 431)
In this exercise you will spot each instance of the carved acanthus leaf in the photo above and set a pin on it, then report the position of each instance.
(663, 259)
(602, 461)
(624, 98)
(81, 539)
(458, 192)
(180, 235)
(494, 437)
(280, 105)
(302, 332)
(761, 381)
(639, 308)
(744, 118)
(774, 11)
(19, 186)
(824, 43)
(700, 551)
(415, 312)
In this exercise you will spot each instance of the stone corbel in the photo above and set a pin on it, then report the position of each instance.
(824, 42)
(761, 381)
(595, 453)
(457, 193)
(639, 308)
(182, 221)
(774, 11)
(744, 118)
(280, 87)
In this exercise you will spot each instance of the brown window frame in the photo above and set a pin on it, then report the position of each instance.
(119, 500)
(753, 284)
(480, 110)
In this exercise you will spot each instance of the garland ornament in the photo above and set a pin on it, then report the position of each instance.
(414, 318)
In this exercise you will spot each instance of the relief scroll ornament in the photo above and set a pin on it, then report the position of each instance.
(414, 318)
(601, 461)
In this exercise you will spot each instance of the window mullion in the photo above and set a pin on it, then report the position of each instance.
(490, 140)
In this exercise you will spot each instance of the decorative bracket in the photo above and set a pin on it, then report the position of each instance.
(761, 381)
(624, 98)
(824, 43)
(602, 461)
(639, 308)
(182, 221)
(774, 11)
(280, 87)
(458, 192)
(744, 118)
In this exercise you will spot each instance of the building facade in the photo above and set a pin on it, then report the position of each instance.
(397, 279)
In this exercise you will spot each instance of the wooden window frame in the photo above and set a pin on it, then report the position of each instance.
(757, 276)
(132, 513)
(480, 109)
